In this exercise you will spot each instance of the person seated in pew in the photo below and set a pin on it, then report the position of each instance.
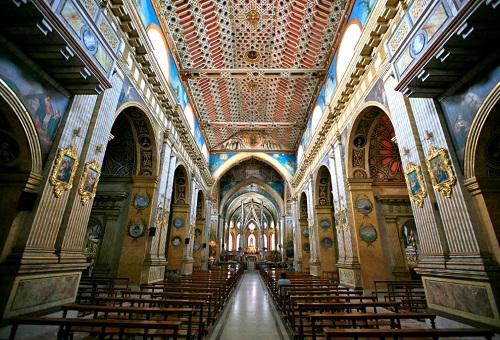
(291, 268)
(175, 276)
(283, 282)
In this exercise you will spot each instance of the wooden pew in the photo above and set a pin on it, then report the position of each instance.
(368, 319)
(135, 313)
(104, 327)
(198, 305)
(304, 308)
(421, 333)
(206, 296)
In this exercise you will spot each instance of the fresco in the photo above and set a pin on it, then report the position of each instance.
(377, 93)
(289, 161)
(146, 12)
(250, 140)
(45, 104)
(361, 10)
(176, 84)
(128, 93)
(331, 82)
(306, 137)
(198, 136)
(461, 108)
(215, 161)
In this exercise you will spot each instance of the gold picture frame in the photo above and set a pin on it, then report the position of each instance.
(415, 183)
(440, 170)
(64, 170)
(88, 183)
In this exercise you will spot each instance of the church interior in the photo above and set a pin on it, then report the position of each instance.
(355, 140)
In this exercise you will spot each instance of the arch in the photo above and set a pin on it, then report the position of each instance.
(280, 168)
(347, 46)
(279, 200)
(181, 191)
(303, 212)
(147, 150)
(200, 205)
(362, 144)
(16, 106)
(479, 123)
(323, 187)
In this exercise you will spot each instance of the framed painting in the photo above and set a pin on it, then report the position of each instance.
(364, 205)
(415, 183)
(64, 170)
(440, 170)
(88, 183)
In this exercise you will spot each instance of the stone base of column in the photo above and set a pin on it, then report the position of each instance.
(187, 266)
(350, 277)
(153, 271)
(315, 268)
(34, 285)
(469, 295)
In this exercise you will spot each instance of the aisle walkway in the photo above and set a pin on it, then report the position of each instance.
(250, 314)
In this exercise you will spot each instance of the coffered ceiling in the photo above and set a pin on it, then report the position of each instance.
(253, 65)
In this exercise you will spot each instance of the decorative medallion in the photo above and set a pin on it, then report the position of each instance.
(178, 222)
(326, 242)
(368, 233)
(305, 232)
(364, 205)
(136, 229)
(325, 223)
(359, 141)
(176, 241)
(418, 43)
(440, 170)
(141, 202)
(89, 39)
(197, 232)
(306, 247)
(196, 246)
(252, 56)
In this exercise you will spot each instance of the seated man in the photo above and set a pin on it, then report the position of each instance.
(175, 276)
(282, 282)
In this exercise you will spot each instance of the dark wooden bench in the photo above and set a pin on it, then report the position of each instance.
(365, 320)
(304, 308)
(201, 314)
(136, 313)
(103, 327)
(421, 333)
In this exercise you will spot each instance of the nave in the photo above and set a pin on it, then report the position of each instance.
(252, 308)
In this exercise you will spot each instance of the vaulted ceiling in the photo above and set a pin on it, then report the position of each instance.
(253, 65)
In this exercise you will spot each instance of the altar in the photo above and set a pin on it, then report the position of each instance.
(251, 259)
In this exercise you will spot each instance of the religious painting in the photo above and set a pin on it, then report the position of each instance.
(440, 170)
(64, 170)
(415, 183)
(45, 104)
(377, 93)
(88, 184)
(461, 108)
(368, 233)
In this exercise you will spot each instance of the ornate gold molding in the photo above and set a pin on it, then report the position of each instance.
(64, 170)
(89, 180)
(415, 183)
(440, 170)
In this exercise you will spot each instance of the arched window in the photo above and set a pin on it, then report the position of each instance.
(230, 241)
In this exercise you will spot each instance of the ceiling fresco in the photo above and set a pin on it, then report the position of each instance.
(253, 67)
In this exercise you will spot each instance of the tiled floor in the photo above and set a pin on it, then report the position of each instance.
(250, 314)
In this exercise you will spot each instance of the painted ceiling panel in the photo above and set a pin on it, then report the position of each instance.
(253, 66)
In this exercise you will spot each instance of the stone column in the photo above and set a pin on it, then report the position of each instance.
(206, 235)
(155, 261)
(297, 244)
(312, 225)
(349, 267)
